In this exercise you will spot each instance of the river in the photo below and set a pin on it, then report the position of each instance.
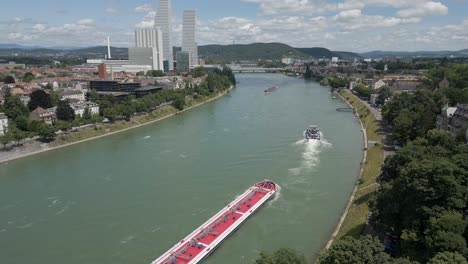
(129, 197)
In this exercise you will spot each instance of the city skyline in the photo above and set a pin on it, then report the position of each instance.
(353, 25)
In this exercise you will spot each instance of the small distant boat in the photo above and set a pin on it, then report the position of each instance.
(312, 133)
(271, 89)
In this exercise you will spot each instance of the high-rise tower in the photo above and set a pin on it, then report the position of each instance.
(163, 21)
(189, 43)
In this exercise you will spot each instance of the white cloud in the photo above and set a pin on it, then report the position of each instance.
(146, 8)
(426, 9)
(348, 14)
(111, 10)
(86, 22)
(148, 20)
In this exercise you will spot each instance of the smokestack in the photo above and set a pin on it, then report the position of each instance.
(108, 49)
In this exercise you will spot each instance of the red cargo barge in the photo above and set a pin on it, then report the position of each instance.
(205, 239)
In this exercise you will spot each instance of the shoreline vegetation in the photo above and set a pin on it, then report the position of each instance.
(103, 130)
(354, 218)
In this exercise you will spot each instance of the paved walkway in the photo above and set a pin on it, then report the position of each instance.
(389, 148)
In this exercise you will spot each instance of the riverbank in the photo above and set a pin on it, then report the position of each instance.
(353, 220)
(103, 130)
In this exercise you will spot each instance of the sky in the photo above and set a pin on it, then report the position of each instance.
(349, 25)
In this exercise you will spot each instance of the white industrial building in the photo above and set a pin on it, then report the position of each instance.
(163, 21)
(189, 43)
(148, 48)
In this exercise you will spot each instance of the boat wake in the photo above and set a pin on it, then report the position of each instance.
(276, 197)
(310, 154)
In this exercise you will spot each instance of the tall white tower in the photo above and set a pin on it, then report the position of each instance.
(189, 43)
(163, 21)
(108, 49)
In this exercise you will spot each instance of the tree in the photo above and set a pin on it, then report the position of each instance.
(155, 73)
(65, 112)
(383, 94)
(5, 139)
(179, 103)
(9, 79)
(46, 132)
(281, 256)
(448, 257)
(110, 113)
(16, 134)
(39, 98)
(365, 250)
(362, 90)
(28, 77)
(13, 106)
(87, 114)
(54, 97)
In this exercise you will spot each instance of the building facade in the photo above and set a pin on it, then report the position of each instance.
(183, 61)
(146, 39)
(189, 43)
(3, 124)
(73, 95)
(81, 107)
(41, 114)
(163, 21)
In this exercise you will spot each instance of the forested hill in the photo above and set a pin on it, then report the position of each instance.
(211, 53)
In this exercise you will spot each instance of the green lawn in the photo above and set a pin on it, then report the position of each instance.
(355, 220)
(357, 214)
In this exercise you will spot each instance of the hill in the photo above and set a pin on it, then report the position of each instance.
(255, 51)
(318, 52)
(442, 53)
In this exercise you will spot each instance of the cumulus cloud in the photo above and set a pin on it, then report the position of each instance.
(146, 8)
(425, 9)
(148, 20)
(111, 10)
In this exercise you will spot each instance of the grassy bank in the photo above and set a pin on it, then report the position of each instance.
(372, 126)
(355, 220)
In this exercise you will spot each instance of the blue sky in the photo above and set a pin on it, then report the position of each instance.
(353, 25)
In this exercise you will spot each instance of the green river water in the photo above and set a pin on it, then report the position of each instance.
(129, 197)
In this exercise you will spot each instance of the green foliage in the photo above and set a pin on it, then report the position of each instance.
(40, 98)
(45, 132)
(65, 111)
(87, 114)
(13, 106)
(155, 73)
(456, 96)
(365, 250)
(62, 125)
(362, 90)
(456, 74)
(281, 256)
(254, 52)
(423, 195)
(383, 94)
(179, 102)
(28, 77)
(16, 134)
(54, 97)
(448, 258)
(412, 115)
(5, 139)
(199, 72)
